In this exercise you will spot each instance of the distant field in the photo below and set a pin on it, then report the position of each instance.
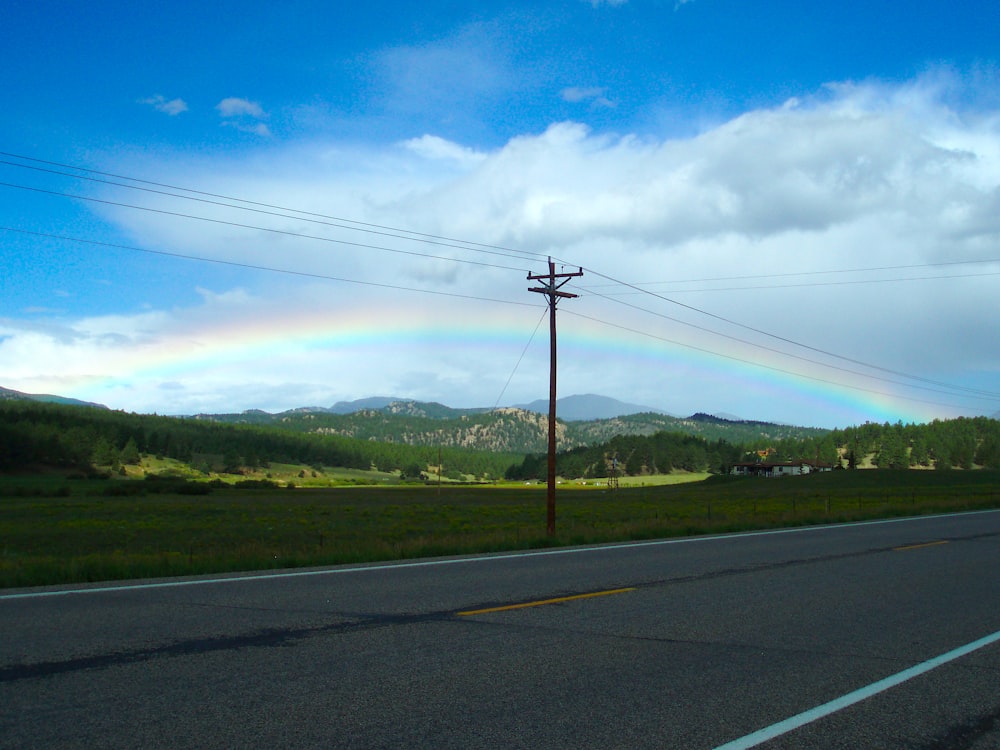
(297, 474)
(54, 530)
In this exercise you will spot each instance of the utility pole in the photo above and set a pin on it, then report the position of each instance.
(551, 283)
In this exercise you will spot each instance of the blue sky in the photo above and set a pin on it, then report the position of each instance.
(793, 182)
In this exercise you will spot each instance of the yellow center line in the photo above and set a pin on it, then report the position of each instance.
(542, 602)
(919, 546)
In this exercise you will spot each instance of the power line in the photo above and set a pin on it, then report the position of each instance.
(787, 274)
(518, 363)
(268, 269)
(897, 373)
(758, 364)
(257, 206)
(271, 230)
(809, 284)
(325, 277)
(441, 240)
(461, 243)
(985, 394)
(487, 299)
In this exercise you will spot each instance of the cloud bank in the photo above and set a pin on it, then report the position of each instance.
(763, 221)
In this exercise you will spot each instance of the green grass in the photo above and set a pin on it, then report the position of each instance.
(653, 480)
(55, 530)
(297, 474)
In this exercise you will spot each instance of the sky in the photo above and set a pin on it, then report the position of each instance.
(782, 211)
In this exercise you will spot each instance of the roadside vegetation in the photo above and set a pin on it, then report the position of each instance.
(55, 530)
(89, 494)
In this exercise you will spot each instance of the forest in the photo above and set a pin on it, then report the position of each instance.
(635, 455)
(78, 438)
(34, 434)
(963, 443)
(504, 429)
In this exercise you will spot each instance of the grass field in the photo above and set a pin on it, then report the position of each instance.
(54, 530)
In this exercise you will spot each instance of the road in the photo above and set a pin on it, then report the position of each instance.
(881, 635)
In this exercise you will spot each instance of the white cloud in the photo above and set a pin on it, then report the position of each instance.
(257, 128)
(594, 95)
(578, 94)
(161, 104)
(207, 357)
(433, 147)
(243, 115)
(610, 3)
(38, 310)
(444, 79)
(236, 107)
(860, 176)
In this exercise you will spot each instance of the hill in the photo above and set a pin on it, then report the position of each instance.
(408, 437)
(585, 407)
(37, 435)
(700, 425)
(507, 429)
(6, 394)
(412, 423)
(588, 407)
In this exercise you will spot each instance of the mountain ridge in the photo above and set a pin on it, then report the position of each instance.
(582, 420)
(579, 407)
(574, 408)
(589, 406)
(507, 428)
(9, 394)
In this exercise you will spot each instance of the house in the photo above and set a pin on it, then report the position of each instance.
(778, 468)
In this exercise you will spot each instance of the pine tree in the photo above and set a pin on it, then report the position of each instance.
(130, 453)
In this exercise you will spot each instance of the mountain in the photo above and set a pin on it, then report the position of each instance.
(345, 407)
(401, 407)
(507, 429)
(477, 442)
(569, 408)
(374, 402)
(588, 407)
(706, 426)
(582, 421)
(415, 423)
(6, 394)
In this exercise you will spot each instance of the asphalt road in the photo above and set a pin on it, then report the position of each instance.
(814, 638)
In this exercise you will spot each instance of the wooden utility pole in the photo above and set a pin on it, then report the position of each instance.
(551, 282)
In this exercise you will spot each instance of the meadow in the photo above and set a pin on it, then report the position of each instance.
(54, 530)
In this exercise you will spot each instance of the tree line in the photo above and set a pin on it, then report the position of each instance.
(965, 443)
(41, 434)
(38, 434)
(633, 455)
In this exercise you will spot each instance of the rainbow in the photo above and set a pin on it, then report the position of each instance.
(770, 380)
(590, 352)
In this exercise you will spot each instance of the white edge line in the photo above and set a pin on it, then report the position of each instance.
(837, 704)
(237, 578)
